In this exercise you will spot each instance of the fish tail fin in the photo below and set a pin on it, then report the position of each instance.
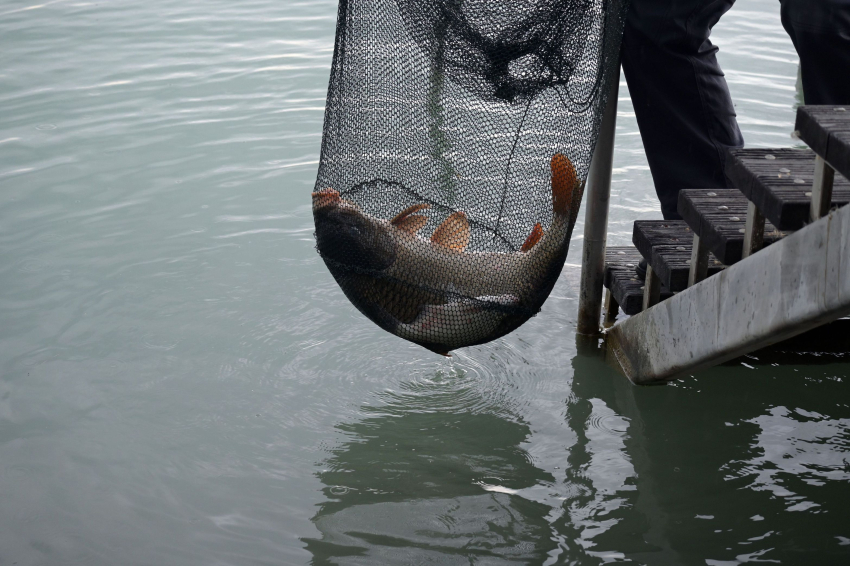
(533, 238)
(564, 181)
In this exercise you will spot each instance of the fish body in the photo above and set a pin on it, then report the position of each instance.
(431, 290)
(457, 323)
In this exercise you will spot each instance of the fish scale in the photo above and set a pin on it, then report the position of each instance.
(434, 292)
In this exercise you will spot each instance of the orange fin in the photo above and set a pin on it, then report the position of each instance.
(453, 233)
(411, 223)
(408, 211)
(533, 238)
(564, 180)
(325, 197)
(407, 221)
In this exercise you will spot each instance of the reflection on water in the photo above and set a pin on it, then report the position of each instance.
(733, 467)
(723, 470)
(436, 473)
(417, 487)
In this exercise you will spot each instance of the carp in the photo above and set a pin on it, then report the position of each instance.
(432, 291)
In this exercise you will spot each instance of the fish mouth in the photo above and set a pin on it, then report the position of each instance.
(348, 237)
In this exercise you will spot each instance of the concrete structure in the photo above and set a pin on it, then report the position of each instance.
(796, 284)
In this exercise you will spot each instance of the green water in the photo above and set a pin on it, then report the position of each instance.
(182, 383)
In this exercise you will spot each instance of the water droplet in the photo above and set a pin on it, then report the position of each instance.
(741, 231)
(680, 248)
(799, 181)
(339, 490)
(711, 194)
(770, 157)
(784, 170)
(723, 207)
(734, 219)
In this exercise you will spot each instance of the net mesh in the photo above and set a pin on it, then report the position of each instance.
(457, 137)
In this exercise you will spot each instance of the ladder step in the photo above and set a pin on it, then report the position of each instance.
(779, 182)
(623, 282)
(667, 246)
(718, 217)
(796, 284)
(826, 129)
(651, 232)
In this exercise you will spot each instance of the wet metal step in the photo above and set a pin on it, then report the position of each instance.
(826, 129)
(667, 246)
(779, 182)
(622, 281)
(718, 217)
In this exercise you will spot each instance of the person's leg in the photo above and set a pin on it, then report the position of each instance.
(820, 30)
(683, 107)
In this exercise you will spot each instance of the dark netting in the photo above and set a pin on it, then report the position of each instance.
(457, 137)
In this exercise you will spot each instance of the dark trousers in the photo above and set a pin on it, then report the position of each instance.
(681, 100)
(682, 104)
(820, 30)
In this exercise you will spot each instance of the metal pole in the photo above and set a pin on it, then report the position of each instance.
(822, 189)
(754, 231)
(596, 218)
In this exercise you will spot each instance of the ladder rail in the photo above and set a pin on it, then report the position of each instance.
(596, 218)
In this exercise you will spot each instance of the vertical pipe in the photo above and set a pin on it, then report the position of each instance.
(822, 189)
(596, 217)
(699, 262)
(612, 309)
(754, 231)
(651, 288)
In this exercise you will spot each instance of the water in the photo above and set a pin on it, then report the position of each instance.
(182, 383)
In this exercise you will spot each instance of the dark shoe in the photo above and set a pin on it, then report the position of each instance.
(641, 270)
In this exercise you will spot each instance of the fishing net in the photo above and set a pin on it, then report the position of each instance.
(457, 137)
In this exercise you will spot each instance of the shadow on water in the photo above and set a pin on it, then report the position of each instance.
(737, 466)
(414, 486)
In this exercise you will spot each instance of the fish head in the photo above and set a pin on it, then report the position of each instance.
(348, 236)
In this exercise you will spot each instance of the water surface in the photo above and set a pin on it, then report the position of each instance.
(182, 382)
